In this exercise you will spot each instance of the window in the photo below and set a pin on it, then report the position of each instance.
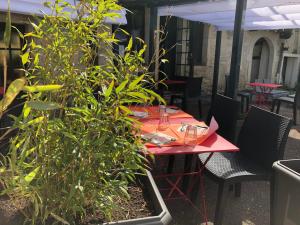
(12, 54)
(188, 37)
(183, 53)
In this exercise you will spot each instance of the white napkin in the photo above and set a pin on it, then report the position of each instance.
(140, 114)
(171, 111)
(158, 138)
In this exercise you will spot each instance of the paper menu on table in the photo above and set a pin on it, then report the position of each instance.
(213, 126)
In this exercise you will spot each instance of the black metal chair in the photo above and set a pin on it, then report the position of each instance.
(226, 112)
(261, 141)
(294, 101)
(192, 93)
(245, 95)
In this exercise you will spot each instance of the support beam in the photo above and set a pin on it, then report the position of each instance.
(153, 27)
(216, 65)
(237, 44)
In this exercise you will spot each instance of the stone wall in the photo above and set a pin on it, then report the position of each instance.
(292, 46)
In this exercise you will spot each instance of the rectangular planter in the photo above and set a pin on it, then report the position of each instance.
(285, 209)
(163, 216)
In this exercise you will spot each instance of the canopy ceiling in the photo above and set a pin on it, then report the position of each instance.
(36, 7)
(260, 14)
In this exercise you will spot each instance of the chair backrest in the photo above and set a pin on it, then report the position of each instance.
(226, 112)
(226, 84)
(297, 96)
(263, 136)
(193, 87)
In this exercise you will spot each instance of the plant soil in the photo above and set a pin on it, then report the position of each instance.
(138, 206)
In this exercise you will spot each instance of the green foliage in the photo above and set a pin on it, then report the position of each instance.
(73, 150)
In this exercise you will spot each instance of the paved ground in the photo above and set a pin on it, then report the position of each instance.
(253, 205)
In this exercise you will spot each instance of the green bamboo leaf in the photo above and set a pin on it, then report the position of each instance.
(129, 46)
(29, 177)
(108, 91)
(121, 86)
(133, 84)
(125, 109)
(157, 96)
(7, 32)
(71, 136)
(138, 95)
(26, 111)
(19, 32)
(2, 169)
(141, 52)
(12, 91)
(36, 120)
(36, 59)
(25, 58)
(31, 34)
(40, 105)
(41, 88)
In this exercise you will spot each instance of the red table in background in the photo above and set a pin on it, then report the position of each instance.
(170, 82)
(214, 143)
(265, 90)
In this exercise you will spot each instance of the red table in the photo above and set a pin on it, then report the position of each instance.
(214, 143)
(265, 89)
(170, 82)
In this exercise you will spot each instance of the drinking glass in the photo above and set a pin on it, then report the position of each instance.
(190, 137)
(162, 109)
(163, 123)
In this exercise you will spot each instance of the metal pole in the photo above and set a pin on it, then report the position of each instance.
(237, 44)
(216, 65)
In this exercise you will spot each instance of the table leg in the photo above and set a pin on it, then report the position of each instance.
(188, 162)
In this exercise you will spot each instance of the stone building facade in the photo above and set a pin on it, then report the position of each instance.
(280, 59)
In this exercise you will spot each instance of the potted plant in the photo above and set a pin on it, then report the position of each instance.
(76, 150)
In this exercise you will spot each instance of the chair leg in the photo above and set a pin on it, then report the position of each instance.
(237, 189)
(242, 104)
(171, 164)
(221, 203)
(273, 105)
(295, 113)
(278, 107)
(247, 103)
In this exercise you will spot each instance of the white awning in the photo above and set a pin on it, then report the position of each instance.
(36, 7)
(260, 14)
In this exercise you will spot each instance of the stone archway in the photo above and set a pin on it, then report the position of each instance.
(260, 61)
(269, 68)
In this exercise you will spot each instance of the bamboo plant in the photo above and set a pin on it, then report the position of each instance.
(76, 147)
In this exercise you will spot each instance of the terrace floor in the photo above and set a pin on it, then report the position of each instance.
(252, 208)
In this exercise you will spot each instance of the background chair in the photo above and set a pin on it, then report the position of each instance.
(245, 95)
(294, 101)
(192, 93)
(226, 112)
(261, 141)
